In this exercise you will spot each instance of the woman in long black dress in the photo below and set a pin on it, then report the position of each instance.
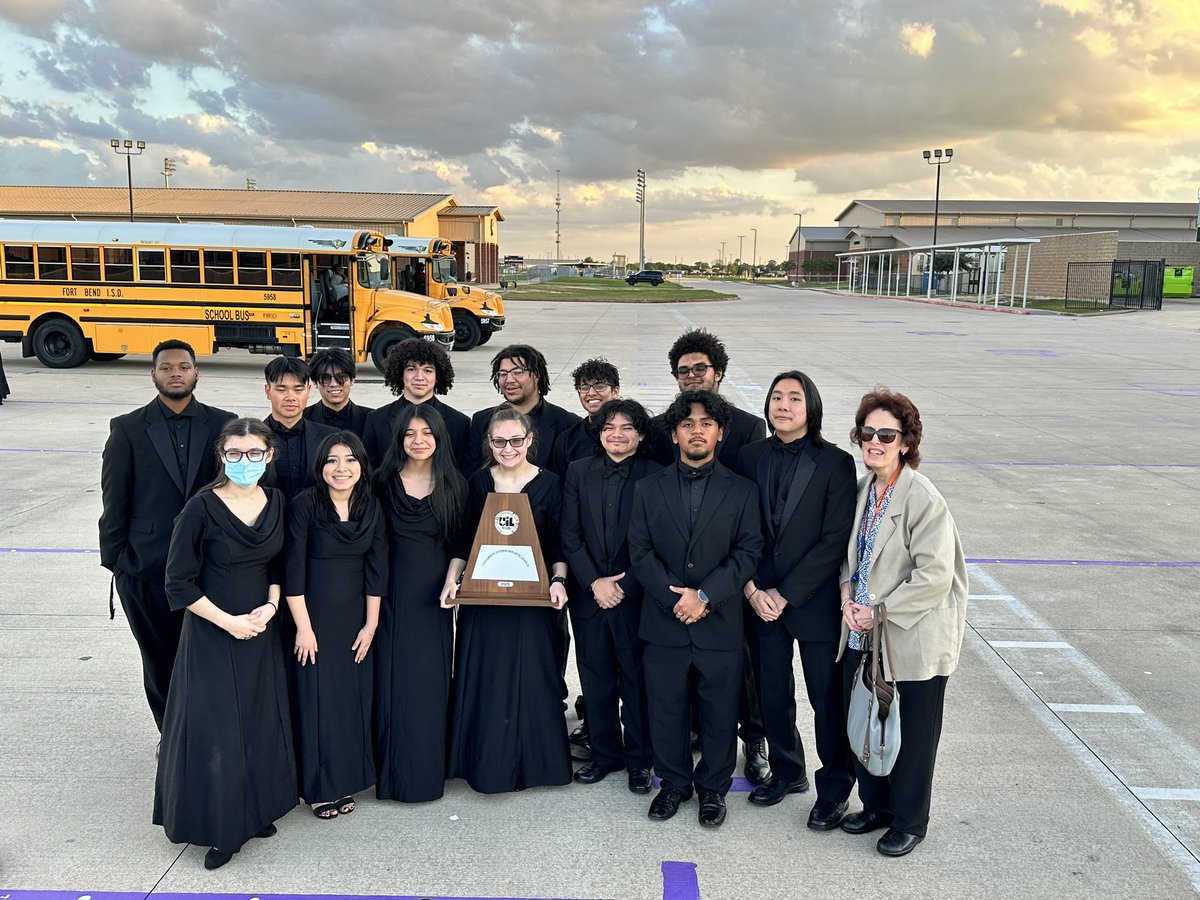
(424, 498)
(336, 574)
(508, 728)
(226, 769)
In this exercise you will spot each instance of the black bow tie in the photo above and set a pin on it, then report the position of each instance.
(779, 446)
(619, 469)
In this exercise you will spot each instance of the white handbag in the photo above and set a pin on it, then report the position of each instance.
(873, 722)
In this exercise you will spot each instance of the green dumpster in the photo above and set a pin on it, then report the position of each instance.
(1177, 281)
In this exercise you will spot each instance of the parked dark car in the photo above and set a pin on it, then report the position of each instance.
(646, 276)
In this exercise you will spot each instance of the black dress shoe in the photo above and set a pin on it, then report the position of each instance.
(215, 858)
(593, 772)
(640, 780)
(897, 843)
(580, 748)
(774, 790)
(666, 803)
(758, 767)
(712, 809)
(826, 815)
(863, 821)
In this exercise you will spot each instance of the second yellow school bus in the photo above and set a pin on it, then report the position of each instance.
(73, 291)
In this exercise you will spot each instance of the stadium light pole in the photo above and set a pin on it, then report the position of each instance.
(754, 253)
(937, 158)
(641, 199)
(741, 259)
(168, 170)
(128, 149)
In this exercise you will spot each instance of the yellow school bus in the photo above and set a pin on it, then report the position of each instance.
(73, 291)
(428, 266)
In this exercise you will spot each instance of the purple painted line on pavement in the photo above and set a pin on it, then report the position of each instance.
(43, 450)
(680, 881)
(167, 895)
(1013, 351)
(1123, 564)
(740, 785)
(1059, 465)
(48, 550)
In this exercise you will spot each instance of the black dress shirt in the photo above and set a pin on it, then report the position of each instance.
(692, 484)
(616, 477)
(782, 470)
(291, 457)
(179, 424)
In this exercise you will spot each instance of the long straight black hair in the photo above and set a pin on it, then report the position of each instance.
(360, 494)
(813, 406)
(449, 497)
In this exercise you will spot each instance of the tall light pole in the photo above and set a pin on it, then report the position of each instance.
(557, 214)
(754, 254)
(741, 259)
(641, 199)
(127, 149)
(722, 255)
(168, 170)
(799, 219)
(1198, 215)
(937, 158)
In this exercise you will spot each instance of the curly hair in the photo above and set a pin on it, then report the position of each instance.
(597, 369)
(715, 406)
(903, 409)
(415, 350)
(699, 341)
(527, 356)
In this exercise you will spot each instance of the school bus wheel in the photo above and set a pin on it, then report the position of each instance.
(384, 341)
(485, 336)
(106, 357)
(59, 344)
(466, 331)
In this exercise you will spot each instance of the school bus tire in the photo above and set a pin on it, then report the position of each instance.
(59, 344)
(106, 357)
(485, 337)
(467, 332)
(384, 341)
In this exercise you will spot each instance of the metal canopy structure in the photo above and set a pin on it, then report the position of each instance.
(985, 279)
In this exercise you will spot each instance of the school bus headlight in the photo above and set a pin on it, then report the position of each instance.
(431, 325)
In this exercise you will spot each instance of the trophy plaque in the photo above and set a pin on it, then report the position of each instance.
(506, 566)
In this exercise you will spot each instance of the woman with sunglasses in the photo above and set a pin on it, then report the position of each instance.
(226, 769)
(508, 732)
(905, 557)
(336, 575)
(424, 500)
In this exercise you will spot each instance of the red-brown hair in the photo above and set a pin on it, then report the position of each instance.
(903, 409)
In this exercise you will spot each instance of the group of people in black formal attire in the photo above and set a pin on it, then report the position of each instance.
(292, 586)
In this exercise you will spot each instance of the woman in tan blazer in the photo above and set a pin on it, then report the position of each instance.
(904, 555)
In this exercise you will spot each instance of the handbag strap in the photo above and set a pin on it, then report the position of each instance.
(881, 648)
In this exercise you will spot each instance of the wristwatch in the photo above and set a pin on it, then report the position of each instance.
(559, 579)
(703, 597)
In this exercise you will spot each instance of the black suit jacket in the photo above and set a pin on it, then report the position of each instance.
(319, 413)
(141, 487)
(313, 435)
(381, 423)
(582, 524)
(744, 429)
(718, 558)
(802, 560)
(548, 422)
(579, 441)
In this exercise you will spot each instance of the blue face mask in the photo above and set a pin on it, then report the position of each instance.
(244, 473)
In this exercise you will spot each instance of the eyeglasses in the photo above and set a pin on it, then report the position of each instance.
(864, 433)
(697, 369)
(513, 373)
(597, 386)
(234, 456)
(327, 380)
(514, 442)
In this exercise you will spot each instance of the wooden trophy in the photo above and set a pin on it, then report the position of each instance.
(506, 566)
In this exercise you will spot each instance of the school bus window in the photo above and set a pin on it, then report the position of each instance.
(218, 267)
(444, 269)
(285, 269)
(185, 266)
(85, 263)
(252, 267)
(118, 264)
(52, 263)
(18, 262)
(373, 272)
(152, 265)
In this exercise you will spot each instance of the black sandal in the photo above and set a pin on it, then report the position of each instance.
(326, 811)
(345, 805)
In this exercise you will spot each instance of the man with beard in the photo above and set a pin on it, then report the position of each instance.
(694, 540)
(155, 459)
(296, 438)
(520, 374)
(416, 371)
(333, 373)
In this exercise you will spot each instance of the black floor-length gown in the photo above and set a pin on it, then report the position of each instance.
(3, 382)
(508, 727)
(334, 565)
(414, 649)
(226, 767)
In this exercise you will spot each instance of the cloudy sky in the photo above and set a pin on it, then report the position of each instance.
(742, 112)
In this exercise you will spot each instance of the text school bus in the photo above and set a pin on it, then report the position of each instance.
(70, 291)
(428, 266)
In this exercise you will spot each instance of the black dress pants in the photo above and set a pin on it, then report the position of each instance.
(905, 793)
(678, 679)
(608, 653)
(156, 629)
(824, 683)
